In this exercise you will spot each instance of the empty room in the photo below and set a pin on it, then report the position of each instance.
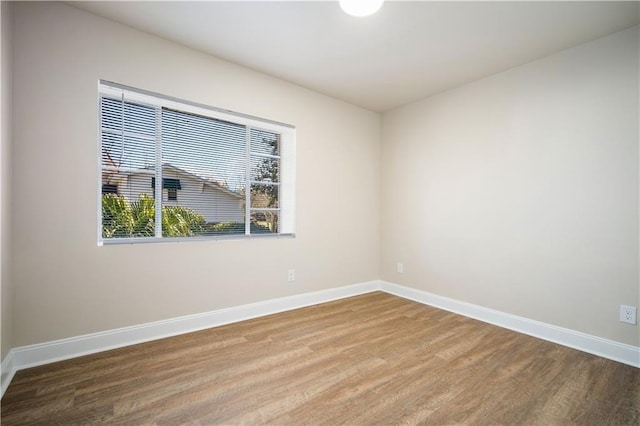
(320, 212)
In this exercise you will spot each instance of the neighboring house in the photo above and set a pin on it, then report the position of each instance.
(180, 188)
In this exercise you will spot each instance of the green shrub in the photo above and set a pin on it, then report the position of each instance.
(137, 219)
(117, 217)
(121, 219)
(233, 228)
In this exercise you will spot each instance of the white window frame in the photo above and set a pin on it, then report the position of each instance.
(287, 175)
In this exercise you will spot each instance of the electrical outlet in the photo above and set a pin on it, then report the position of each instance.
(291, 275)
(400, 268)
(628, 314)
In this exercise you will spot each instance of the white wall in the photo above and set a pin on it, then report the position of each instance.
(519, 192)
(65, 285)
(6, 281)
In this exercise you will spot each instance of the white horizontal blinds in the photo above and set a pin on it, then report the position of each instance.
(205, 157)
(128, 138)
(206, 173)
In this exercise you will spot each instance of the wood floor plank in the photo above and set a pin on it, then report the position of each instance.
(366, 360)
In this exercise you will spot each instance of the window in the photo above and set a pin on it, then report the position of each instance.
(171, 185)
(109, 188)
(172, 169)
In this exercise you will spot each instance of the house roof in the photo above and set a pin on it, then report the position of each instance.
(172, 184)
(202, 180)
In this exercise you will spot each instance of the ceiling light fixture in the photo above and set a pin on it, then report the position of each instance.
(361, 7)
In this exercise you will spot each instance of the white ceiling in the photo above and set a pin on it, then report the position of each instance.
(405, 52)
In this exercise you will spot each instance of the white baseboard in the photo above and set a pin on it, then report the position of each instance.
(604, 348)
(58, 350)
(8, 371)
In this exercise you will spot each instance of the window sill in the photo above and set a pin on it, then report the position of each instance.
(148, 240)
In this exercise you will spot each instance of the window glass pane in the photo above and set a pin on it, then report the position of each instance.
(264, 142)
(139, 119)
(128, 156)
(123, 218)
(264, 196)
(111, 113)
(109, 188)
(210, 149)
(264, 222)
(128, 134)
(224, 228)
(207, 157)
(133, 117)
(265, 169)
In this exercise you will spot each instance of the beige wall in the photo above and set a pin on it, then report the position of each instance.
(519, 192)
(65, 285)
(6, 294)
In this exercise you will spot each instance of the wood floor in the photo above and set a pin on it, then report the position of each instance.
(367, 360)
